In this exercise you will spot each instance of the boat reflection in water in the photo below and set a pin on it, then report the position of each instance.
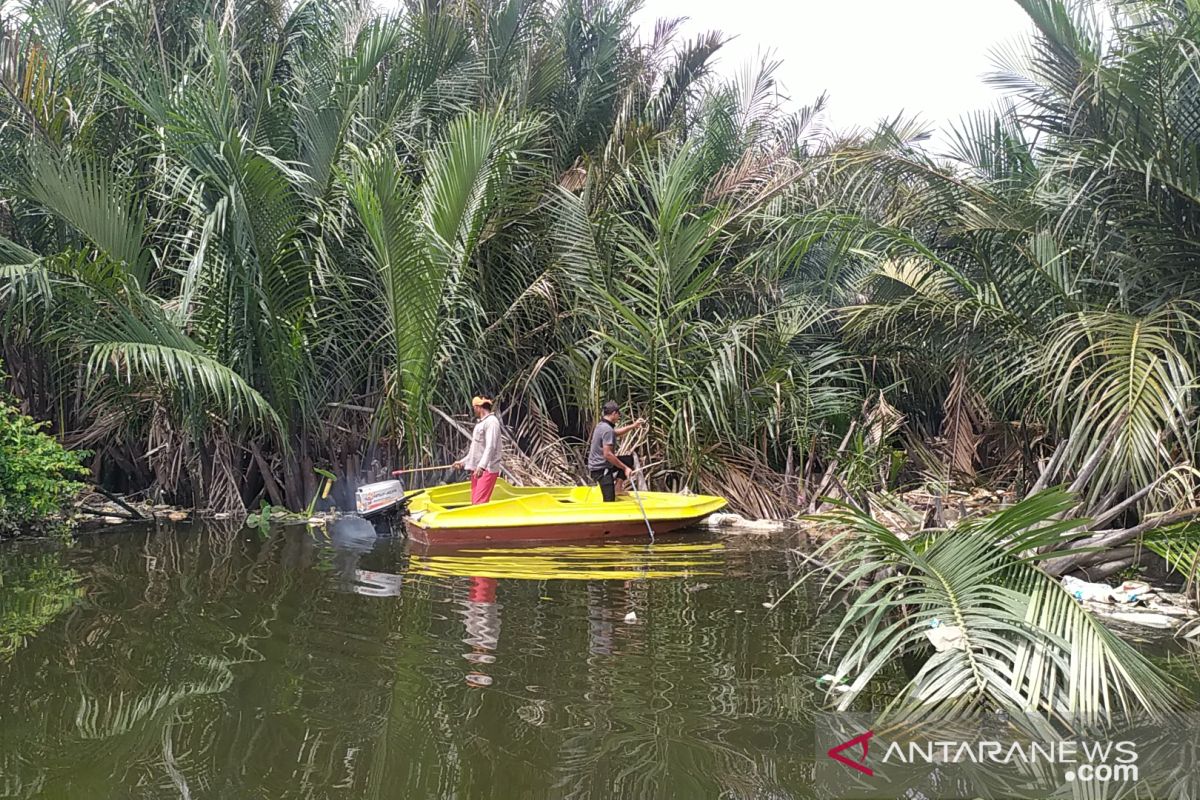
(481, 616)
(615, 571)
(610, 561)
(376, 584)
(352, 538)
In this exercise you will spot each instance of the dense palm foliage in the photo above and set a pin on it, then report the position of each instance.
(1046, 271)
(978, 623)
(245, 241)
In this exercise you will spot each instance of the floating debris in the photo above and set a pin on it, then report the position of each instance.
(1083, 590)
(1133, 603)
(946, 637)
(739, 522)
(1145, 618)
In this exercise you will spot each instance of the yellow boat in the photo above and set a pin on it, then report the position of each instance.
(444, 514)
(594, 561)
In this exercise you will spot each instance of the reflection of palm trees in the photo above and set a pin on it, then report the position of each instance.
(481, 616)
(600, 621)
(190, 657)
(321, 692)
(664, 696)
(608, 603)
(36, 590)
(101, 716)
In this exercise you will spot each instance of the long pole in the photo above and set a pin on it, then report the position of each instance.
(643, 509)
(637, 496)
(398, 472)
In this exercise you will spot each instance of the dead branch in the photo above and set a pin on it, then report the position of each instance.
(1051, 468)
(1115, 511)
(831, 470)
(1110, 539)
(1097, 457)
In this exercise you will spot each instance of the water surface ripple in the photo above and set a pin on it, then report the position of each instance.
(197, 663)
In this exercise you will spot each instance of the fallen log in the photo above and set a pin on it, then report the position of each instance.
(1114, 512)
(134, 514)
(1106, 540)
(1050, 469)
(1110, 568)
(96, 512)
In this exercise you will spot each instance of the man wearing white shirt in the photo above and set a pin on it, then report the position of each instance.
(483, 458)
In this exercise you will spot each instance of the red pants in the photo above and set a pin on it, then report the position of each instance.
(481, 487)
(483, 590)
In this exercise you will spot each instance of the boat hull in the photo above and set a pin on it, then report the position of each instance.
(445, 516)
(541, 534)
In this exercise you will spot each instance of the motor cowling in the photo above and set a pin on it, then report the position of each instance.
(378, 498)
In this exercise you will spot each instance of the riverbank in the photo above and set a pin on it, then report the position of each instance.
(94, 510)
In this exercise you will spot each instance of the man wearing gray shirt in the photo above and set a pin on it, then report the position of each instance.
(608, 469)
(487, 449)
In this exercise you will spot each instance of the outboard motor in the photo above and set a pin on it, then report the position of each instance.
(380, 498)
(381, 504)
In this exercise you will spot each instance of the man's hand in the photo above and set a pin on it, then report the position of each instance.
(629, 473)
(478, 473)
(457, 465)
(639, 423)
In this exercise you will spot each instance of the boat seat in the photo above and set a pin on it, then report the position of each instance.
(459, 495)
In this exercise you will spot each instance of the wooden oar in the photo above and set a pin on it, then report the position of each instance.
(398, 472)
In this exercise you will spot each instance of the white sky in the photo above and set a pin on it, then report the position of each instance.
(874, 57)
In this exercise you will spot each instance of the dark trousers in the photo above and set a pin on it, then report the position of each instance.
(607, 478)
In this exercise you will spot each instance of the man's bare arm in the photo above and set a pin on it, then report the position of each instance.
(611, 458)
(624, 429)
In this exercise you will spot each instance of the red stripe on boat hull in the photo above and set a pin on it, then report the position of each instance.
(540, 534)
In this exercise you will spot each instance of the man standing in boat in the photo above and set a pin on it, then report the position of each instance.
(608, 469)
(483, 458)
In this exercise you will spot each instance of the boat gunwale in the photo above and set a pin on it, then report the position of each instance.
(598, 530)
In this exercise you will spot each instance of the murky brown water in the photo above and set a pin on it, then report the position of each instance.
(205, 664)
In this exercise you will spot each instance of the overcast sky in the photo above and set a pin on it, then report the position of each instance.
(874, 57)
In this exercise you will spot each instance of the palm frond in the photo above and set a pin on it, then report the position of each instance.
(986, 626)
(1133, 375)
(86, 196)
(137, 342)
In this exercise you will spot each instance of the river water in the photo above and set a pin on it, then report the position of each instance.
(202, 663)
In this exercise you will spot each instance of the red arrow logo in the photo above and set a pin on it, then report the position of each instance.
(860, 764)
